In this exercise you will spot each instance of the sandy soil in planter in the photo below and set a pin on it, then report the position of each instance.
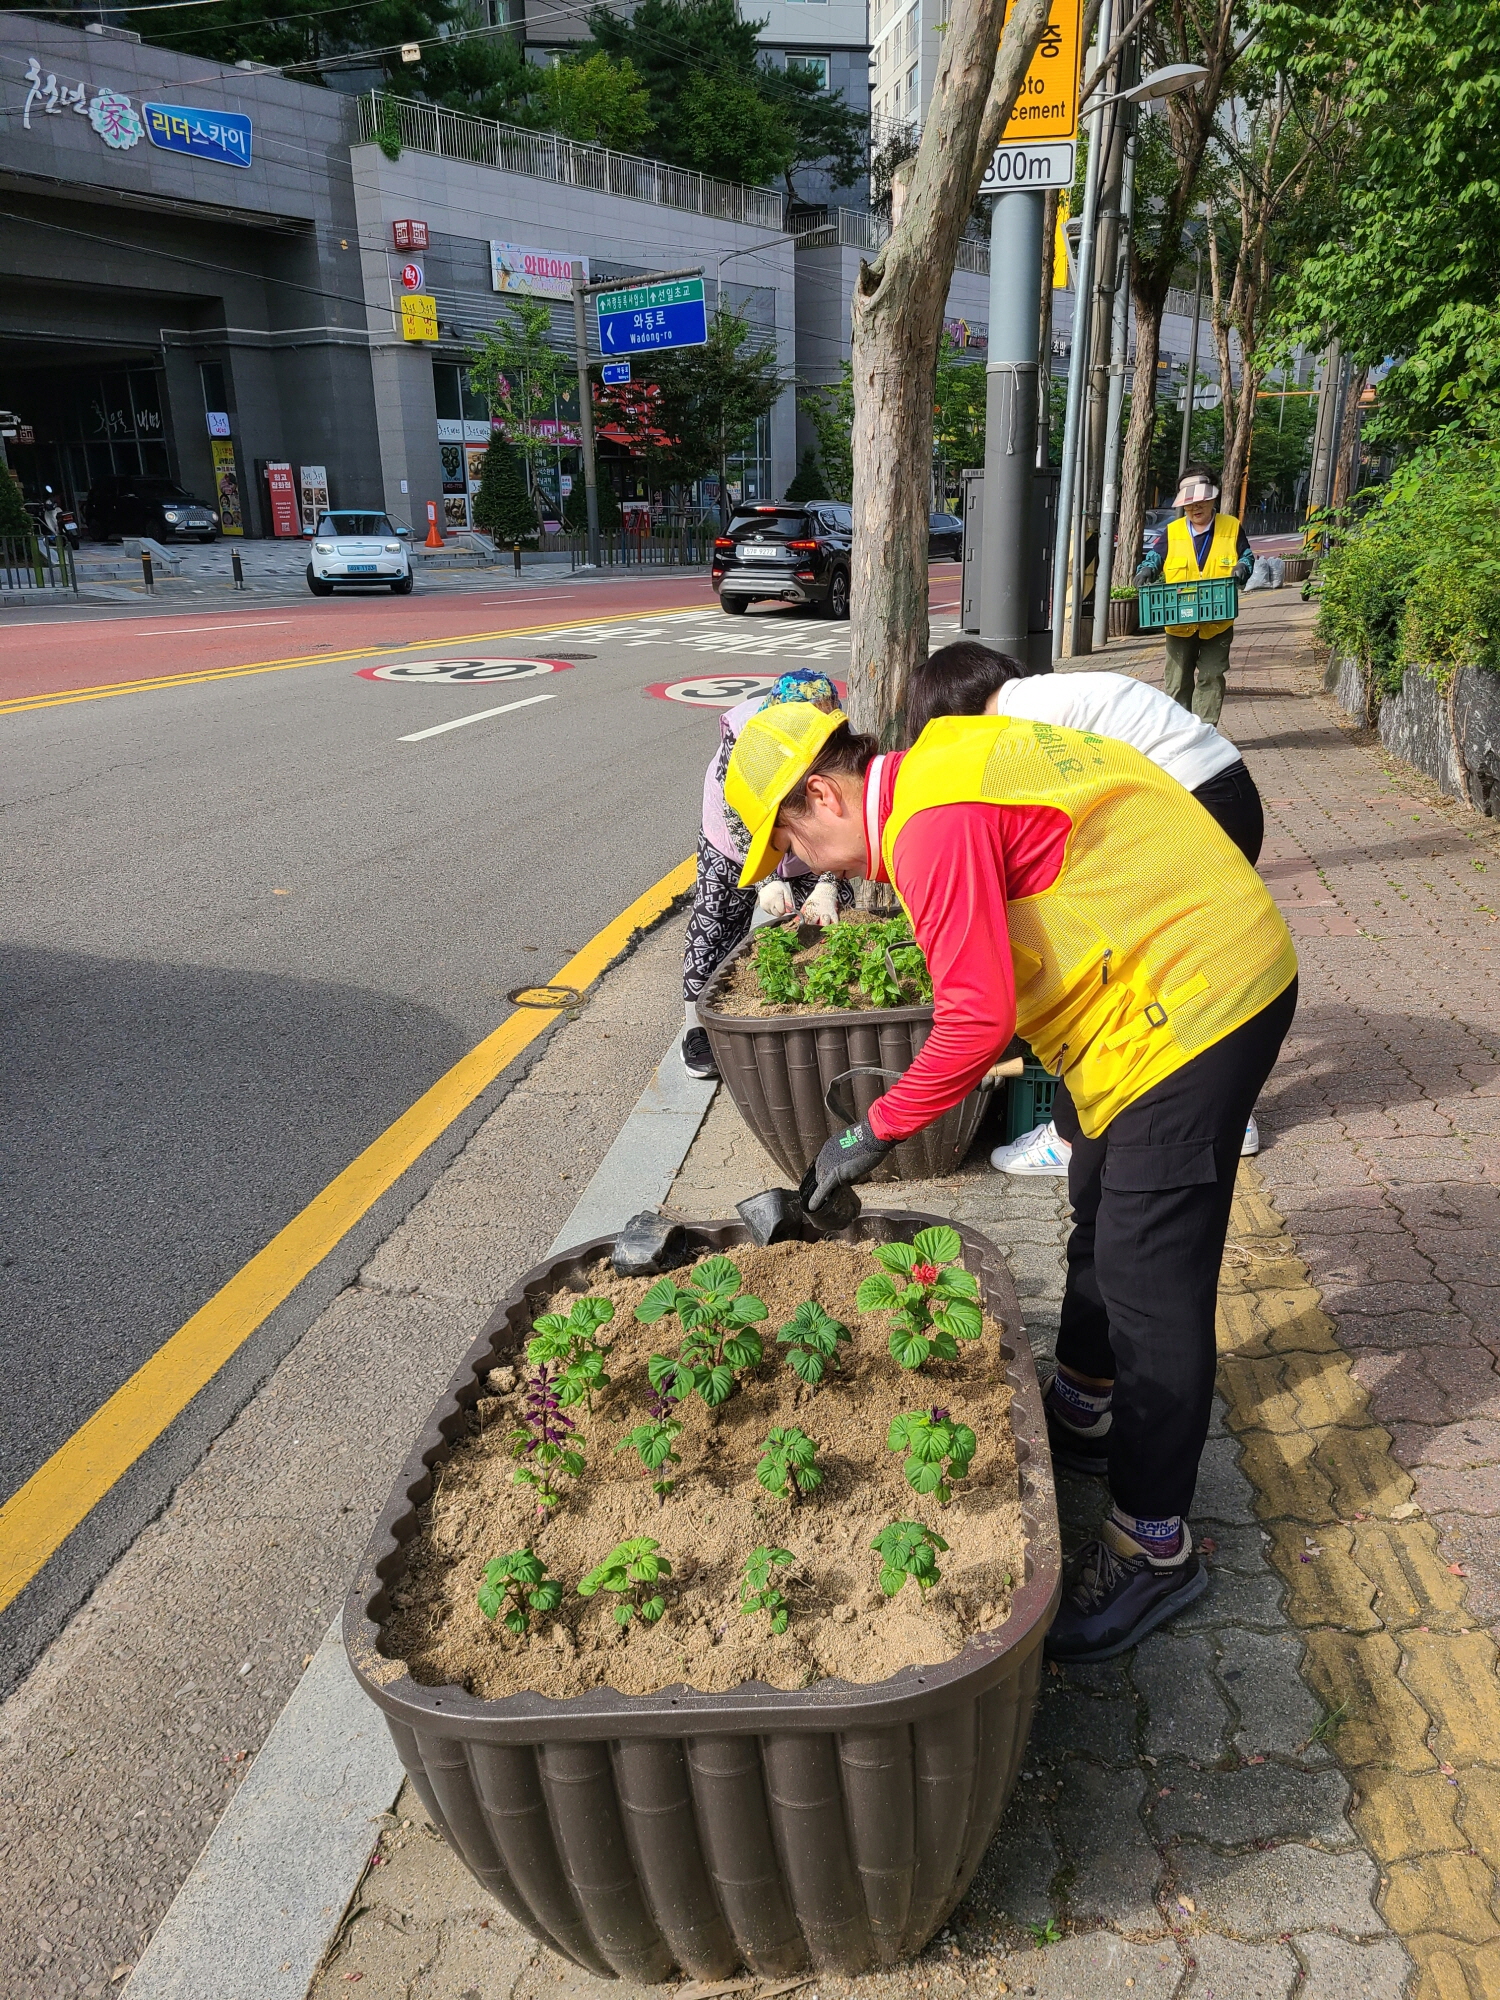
(842, 1625)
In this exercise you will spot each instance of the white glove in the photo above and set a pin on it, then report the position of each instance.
(774, 898)
(822, 906)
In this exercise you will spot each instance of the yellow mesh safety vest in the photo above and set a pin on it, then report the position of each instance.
(1181, 565)
(1156, 940)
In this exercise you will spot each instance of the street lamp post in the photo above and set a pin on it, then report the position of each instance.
(1163, 82)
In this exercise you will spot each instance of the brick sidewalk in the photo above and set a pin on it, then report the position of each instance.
(1293, 1792)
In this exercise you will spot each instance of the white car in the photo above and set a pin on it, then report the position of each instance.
(355, 546)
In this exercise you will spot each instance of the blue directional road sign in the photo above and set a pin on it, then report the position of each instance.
(615, 372)
(646, 317)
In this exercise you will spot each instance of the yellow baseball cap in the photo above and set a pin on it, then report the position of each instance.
(772, 754)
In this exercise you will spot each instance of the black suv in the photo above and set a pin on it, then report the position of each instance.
(127, 503)
(788, 551)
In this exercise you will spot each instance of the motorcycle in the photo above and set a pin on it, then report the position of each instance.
(59, 520)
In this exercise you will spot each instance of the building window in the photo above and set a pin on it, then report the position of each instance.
(911, 88)
(818, 65)
(911, 32)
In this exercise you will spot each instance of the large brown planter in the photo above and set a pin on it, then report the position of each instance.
(778, 1069)
(1297, 569)
(1124, 617)
(834, 1827)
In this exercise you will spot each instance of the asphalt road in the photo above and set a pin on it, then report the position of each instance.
(251, 919)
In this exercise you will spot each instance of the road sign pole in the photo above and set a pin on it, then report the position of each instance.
(1010, 422)
(586, 408)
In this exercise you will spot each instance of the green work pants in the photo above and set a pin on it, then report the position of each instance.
(1207, 661)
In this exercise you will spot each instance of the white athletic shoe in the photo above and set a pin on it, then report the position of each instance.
(1040, 1152)
(1250, 1144)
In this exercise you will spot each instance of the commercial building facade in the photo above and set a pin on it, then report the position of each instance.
(209, 284)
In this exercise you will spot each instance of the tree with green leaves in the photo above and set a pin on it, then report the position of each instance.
(719, 105)
(701, 406)
(502, 506)
(808, 482)
(520, 374)
(595, 99)
(958, 407)
(829, 407)
(1406, 265)
(14, 519)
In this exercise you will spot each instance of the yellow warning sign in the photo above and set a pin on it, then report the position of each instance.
(418, 317)
(1047, 104)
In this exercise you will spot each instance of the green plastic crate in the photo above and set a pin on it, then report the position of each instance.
(1205, 603)
(1028, 1099)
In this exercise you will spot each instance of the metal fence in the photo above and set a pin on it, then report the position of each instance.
(859, 229)
(483, 142)
(27, 563)
(668, 545)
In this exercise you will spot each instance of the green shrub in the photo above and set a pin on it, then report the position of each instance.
(1414, 580)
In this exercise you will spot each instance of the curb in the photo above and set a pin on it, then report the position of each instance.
(255, 1916)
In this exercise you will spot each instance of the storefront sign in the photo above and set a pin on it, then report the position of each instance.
(283, 493)
(411, 278)
(547, 274)
(218, 423)
(227, 488)
(220, 136)
(410, 235)
(110, 112)
(419, 317)
(314, 484)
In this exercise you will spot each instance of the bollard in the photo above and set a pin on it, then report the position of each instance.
(516, 552)
(146, 571)
(239, 571)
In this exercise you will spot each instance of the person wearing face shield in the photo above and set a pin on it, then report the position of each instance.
(1065, 887)
(723, 912)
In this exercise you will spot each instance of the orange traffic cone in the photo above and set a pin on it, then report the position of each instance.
(434, 539)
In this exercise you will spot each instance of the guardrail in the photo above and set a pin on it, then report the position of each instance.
(860, 229)
(27, 563)
(484, 142)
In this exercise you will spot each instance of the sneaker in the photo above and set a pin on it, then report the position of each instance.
(1076, 1451)
(1039, 1152)
(1113, 1595)
(698, 1057)
(1250, 1144)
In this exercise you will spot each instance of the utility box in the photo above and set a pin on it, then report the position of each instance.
(1043, 541)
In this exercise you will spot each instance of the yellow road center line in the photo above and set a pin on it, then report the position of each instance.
(39, 1516)
(63, 697)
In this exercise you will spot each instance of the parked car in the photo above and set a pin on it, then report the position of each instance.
(359, 546)
(786, 551)
(945, 536)
(129, 503)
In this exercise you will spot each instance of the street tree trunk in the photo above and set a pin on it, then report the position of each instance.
(898, 318)
(1135, 468)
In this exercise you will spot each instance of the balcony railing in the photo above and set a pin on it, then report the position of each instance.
(859, 229)
(457, 135)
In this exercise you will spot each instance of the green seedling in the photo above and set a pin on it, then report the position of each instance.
(836, 967)
(893, 967)
(653, 1442)
(717, 1343)
(570, 1343)
(631, 1573)
(518, 1581)
(812, 1340)
(1045, 1934)
(757, 1590)
(939, 1450)
(906, 1548)
(775, 968)
(1328, 1728)
(936, 1305)
(786, 1464)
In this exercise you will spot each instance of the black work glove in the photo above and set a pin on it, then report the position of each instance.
(850, 1156)
(1242, 571)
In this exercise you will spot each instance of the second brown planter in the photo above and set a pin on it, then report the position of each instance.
(778, 1068)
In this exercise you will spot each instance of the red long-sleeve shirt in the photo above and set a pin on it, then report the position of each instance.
(955, 867)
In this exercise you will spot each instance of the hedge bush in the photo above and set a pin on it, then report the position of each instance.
(1414, 581)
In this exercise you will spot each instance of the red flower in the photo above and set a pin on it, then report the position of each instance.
(924, 1274)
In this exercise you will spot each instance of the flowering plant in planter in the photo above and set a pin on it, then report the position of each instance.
(939, 1450)
(938, 1304)
(545, 1438)
(653, 1441)
(630, 1572)
(757, 1590)
(787, 1466)
(717, 1342)
(519, 1580)
(812, 1338)
(907, 1549)
(572, 1345)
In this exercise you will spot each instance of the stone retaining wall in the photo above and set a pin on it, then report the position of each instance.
(1456, 743)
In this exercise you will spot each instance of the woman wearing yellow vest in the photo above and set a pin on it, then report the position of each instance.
(1202, 543)
(1062, 885)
